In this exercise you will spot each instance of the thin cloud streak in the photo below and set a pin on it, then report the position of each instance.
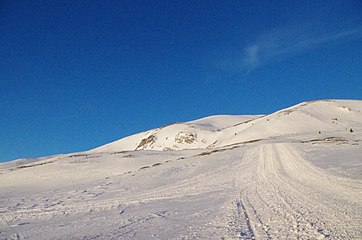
(283, 44)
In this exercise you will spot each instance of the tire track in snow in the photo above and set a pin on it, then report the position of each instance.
(289, 198)
(266, 191)
(239, 226)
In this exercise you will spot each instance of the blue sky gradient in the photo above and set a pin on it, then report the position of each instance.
(78, 74)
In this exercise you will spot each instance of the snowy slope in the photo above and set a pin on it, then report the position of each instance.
(292, 174)
(308, 118)
(190, 135)
(304, 120)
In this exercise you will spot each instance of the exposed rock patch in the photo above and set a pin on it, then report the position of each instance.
(184, 137)
(147, 142)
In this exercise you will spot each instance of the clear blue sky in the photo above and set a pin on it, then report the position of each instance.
(78, 74)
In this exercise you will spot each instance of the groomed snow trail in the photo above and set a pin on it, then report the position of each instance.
(285, 197)
(263, 190)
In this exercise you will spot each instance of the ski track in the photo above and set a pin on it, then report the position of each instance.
(267, 191)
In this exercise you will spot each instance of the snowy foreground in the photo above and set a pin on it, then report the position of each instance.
(293, 174)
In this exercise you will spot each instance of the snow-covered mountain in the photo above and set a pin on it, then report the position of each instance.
(292, 174)
(196, 134)
(305, 119)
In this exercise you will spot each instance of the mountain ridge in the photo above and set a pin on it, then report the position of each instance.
(306, 118)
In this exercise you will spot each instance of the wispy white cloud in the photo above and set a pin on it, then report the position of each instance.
(285, 43)
(252, 56)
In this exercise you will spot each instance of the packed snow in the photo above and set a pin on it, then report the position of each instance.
(292, 174)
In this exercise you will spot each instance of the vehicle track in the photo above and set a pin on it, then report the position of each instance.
(289, 198)
(265, 191)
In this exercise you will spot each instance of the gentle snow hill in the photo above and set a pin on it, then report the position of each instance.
(196, 134)
(305, 120)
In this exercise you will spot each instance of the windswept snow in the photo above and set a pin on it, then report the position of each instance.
(293, 174)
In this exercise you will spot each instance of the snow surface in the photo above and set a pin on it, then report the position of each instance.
(292, 174)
